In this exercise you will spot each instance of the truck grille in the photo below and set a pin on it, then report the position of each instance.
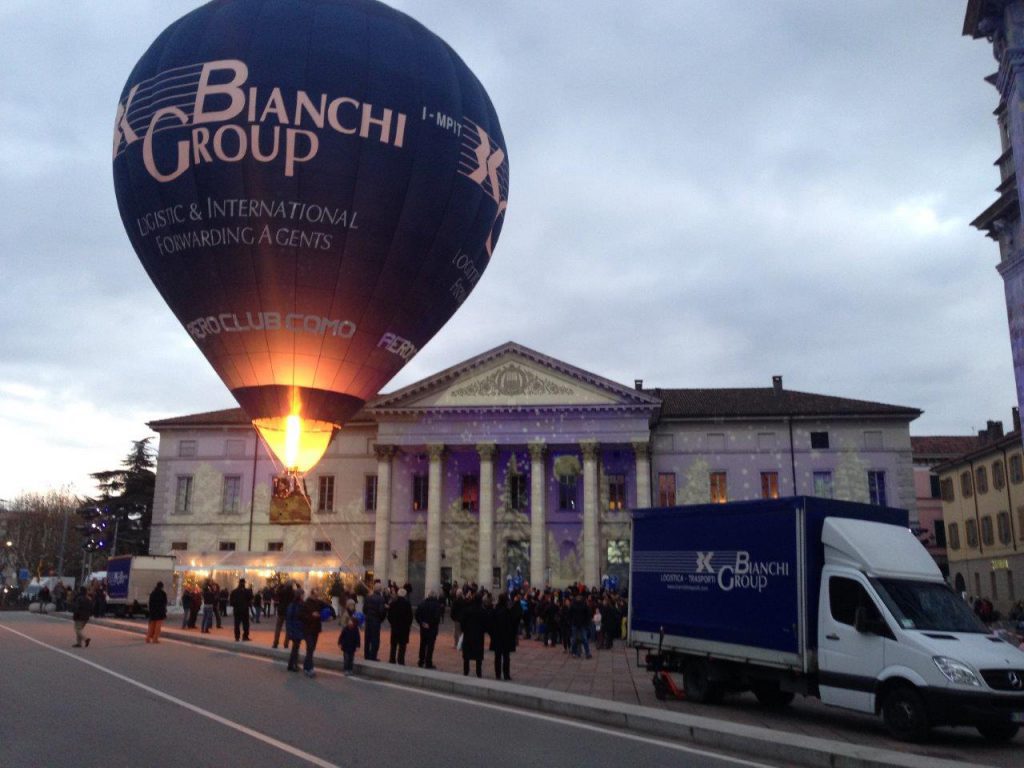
(1004, 679)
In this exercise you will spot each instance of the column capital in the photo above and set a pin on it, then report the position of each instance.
(537, 450)
(642, 449)
(383, 451)
(486, 451)
(436, 451)
(591, 449)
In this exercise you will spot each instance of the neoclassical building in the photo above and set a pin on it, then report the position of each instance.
(513, 461)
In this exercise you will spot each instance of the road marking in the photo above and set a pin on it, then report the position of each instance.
(294, 751)
(603, 730)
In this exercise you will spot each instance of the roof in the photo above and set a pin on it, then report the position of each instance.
(1011, 440)
(943, 446)
(229, 417)
(767, 402)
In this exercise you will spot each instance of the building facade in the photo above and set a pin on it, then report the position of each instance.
(514, 462)
(983, 511)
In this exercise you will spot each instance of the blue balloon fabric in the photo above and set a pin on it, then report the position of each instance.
(314, 186)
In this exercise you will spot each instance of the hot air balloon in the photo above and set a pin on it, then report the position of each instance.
(314, 187)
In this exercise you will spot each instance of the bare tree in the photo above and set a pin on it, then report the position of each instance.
(34, 524)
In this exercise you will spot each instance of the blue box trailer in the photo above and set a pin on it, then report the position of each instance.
(742, 576)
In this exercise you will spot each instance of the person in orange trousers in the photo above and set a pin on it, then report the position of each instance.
(157, 612)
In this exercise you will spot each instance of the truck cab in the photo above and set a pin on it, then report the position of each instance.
(894, 640)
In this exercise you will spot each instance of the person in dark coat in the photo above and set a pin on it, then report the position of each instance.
(186, 606)
(197, 604)
(241, 605)
(375, 610)
(428, 616)
(309, 614)
(81, 613)
(285, 596)
(157, 612)
(473, 635)
(400, 619)
(502, 629)
(295, 631)
(348, 640)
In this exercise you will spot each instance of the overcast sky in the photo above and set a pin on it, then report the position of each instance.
(703, 194)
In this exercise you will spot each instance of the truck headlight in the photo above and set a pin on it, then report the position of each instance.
(956, 672)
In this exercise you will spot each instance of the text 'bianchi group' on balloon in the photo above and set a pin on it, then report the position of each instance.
(314, 188)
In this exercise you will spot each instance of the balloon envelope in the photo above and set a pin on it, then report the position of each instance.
(314, 186)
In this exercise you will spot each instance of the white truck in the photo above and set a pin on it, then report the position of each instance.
(130, 579)
(820, 598)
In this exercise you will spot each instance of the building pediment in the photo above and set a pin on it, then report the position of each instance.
(513, 377)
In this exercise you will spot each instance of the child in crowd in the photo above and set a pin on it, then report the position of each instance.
(349, 642)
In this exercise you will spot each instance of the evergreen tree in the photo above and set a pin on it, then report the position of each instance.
(128, 490)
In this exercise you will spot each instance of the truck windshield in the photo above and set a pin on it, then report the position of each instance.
(927, 605)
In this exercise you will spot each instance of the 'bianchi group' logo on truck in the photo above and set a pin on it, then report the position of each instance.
(702, 571)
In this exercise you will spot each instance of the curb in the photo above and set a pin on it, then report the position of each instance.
(705, 732)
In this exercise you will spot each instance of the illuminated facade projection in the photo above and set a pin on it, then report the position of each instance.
(512, 461)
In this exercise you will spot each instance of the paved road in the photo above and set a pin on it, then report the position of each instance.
(121, 702)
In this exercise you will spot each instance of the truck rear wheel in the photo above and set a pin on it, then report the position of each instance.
(770, 695)
(998, 731)
(904, 714)
(698, 685)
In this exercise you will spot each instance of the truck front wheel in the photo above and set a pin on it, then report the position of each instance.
(904, 714)
(998, 731)
(697, 683)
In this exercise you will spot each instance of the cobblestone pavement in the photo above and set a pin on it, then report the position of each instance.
(616, 675)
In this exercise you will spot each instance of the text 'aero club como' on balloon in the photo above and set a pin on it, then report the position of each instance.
(314, 186)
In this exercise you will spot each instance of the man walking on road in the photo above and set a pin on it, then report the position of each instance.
(241, 604)
(82, 612)
(285, 595)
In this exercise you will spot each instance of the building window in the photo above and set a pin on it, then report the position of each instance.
(769, 485)
(823, 484)
(873, 440)
(275, 546)
(183, 496)
(179, 546)
(981, 480)
(325, 494)
(370, 493)
(995, 588)
(186, 449)
(666, 489)
(936, 491)
(986, 531)
(876, 487)
(234, 449)
(616, 492)
(1016, 469)
(998, 475)
(766, 441)
(232, 501)
(940, 534)
(516, 483)
(971, 529)
(567, 492)
(420, 492)
(954, 536)
(819, 441)
(1003, 526)
(966, 486)
(977, 584)
(946, 489)
(321, 546)
(1020, 518)
(470, 493)
(719, 488)
(369, 550)
(618, 552)
(226, 546)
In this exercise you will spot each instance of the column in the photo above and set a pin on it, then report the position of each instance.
(538, 518)
(486, 547)
(591, 563)
(382, 527)
(434, 496)
(641, 450)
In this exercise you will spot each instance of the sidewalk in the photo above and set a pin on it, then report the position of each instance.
(612, 688)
